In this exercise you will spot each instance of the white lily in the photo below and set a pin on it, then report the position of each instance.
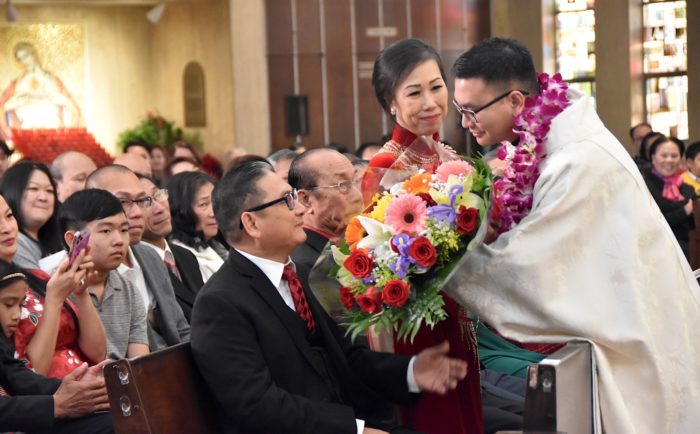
(378, 234)
(338, 256)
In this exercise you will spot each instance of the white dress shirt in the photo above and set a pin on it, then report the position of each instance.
(273, 270)
(134, 274)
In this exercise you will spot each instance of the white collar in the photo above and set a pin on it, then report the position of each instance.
(134, 263)
(693, 177)
(161, 252)
(272, 269)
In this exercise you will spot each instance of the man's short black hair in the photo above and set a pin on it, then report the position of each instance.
(498, 61)
(692, 150)
(137, 142)
(83, 207)
(641, 124)
(236, 192)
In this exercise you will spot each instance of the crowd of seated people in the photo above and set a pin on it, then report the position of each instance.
(155, 241)
(672, 173)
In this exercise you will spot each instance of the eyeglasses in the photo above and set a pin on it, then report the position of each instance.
(144, 202)
(471, 114)
(161, 195)
(343, 187)
(289, 199)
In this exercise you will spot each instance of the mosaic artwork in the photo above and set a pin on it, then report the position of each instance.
(42, 74)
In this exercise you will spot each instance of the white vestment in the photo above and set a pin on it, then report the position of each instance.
(596, 260)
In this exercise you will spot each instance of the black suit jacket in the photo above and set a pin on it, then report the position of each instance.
(30, 408)
(307, 253)
(186, 289)
(253, 352)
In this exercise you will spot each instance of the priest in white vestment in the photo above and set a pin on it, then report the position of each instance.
(594, 259)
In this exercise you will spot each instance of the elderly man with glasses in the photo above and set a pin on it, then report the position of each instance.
(326, 182)
(142, 266)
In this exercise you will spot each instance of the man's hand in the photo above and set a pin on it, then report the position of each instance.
(435, 372)
(79, 395)
(94, 373)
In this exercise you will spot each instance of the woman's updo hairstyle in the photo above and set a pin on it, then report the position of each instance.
(395, 62)
(663, 139)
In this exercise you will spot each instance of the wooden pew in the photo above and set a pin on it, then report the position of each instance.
(560, 396)
(162, 392)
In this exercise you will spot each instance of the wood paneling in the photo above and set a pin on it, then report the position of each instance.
(281, 84)
(278, 17)
(341, 122)
(309, 85)
(461, 24)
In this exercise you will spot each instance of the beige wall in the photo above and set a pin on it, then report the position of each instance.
(251, 95)
(117, 59)
(522, 20)
(195, 32)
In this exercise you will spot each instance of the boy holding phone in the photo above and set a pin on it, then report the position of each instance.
(97, 217)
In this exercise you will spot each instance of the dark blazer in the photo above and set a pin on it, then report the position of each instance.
(673, 211)
(255, 354)
(173, 328)
(187, 288)
(30, 408)
(307, 253)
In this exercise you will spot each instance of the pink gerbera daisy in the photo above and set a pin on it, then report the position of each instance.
(456, 167)
(406, 213)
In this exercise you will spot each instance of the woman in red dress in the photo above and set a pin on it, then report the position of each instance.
(409, 82)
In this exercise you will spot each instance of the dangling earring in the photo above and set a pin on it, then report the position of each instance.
(393, 112)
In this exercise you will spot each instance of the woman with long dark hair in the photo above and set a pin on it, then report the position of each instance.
(59, 327)
(194, 224)
(30, 191)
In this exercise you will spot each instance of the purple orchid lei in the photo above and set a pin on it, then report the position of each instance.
(512, 194)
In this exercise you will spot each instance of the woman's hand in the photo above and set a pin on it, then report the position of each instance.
(69, 279)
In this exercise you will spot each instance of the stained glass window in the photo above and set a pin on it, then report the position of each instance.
(575, 42)
(665, 66)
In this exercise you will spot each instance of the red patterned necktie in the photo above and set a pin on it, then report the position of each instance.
(169, 260)
(301, 305)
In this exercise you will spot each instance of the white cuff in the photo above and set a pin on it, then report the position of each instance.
(360, 425)
(410, 377)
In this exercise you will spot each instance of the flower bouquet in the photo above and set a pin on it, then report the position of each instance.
(398, 254)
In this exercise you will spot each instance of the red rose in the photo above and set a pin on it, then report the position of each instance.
(467, 220)
(396, 293)
(346, 297)
(359, 263)
(423, 252)
(427, 198)
(371, 300)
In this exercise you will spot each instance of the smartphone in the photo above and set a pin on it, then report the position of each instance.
(80, 243)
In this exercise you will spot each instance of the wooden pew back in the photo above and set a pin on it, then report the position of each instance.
(162, 392)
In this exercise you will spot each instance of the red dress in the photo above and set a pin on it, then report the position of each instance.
(67, 355)
(459, 411)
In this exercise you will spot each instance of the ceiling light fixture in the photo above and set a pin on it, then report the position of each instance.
(10, 12)
(155, 13)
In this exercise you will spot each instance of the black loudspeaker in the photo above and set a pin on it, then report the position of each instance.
(296, 115)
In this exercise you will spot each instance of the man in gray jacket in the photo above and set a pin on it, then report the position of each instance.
(142, 266)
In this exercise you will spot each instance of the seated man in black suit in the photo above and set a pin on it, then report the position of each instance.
(182, 265)
(326, 183)
(274, 360)
(38, 404)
